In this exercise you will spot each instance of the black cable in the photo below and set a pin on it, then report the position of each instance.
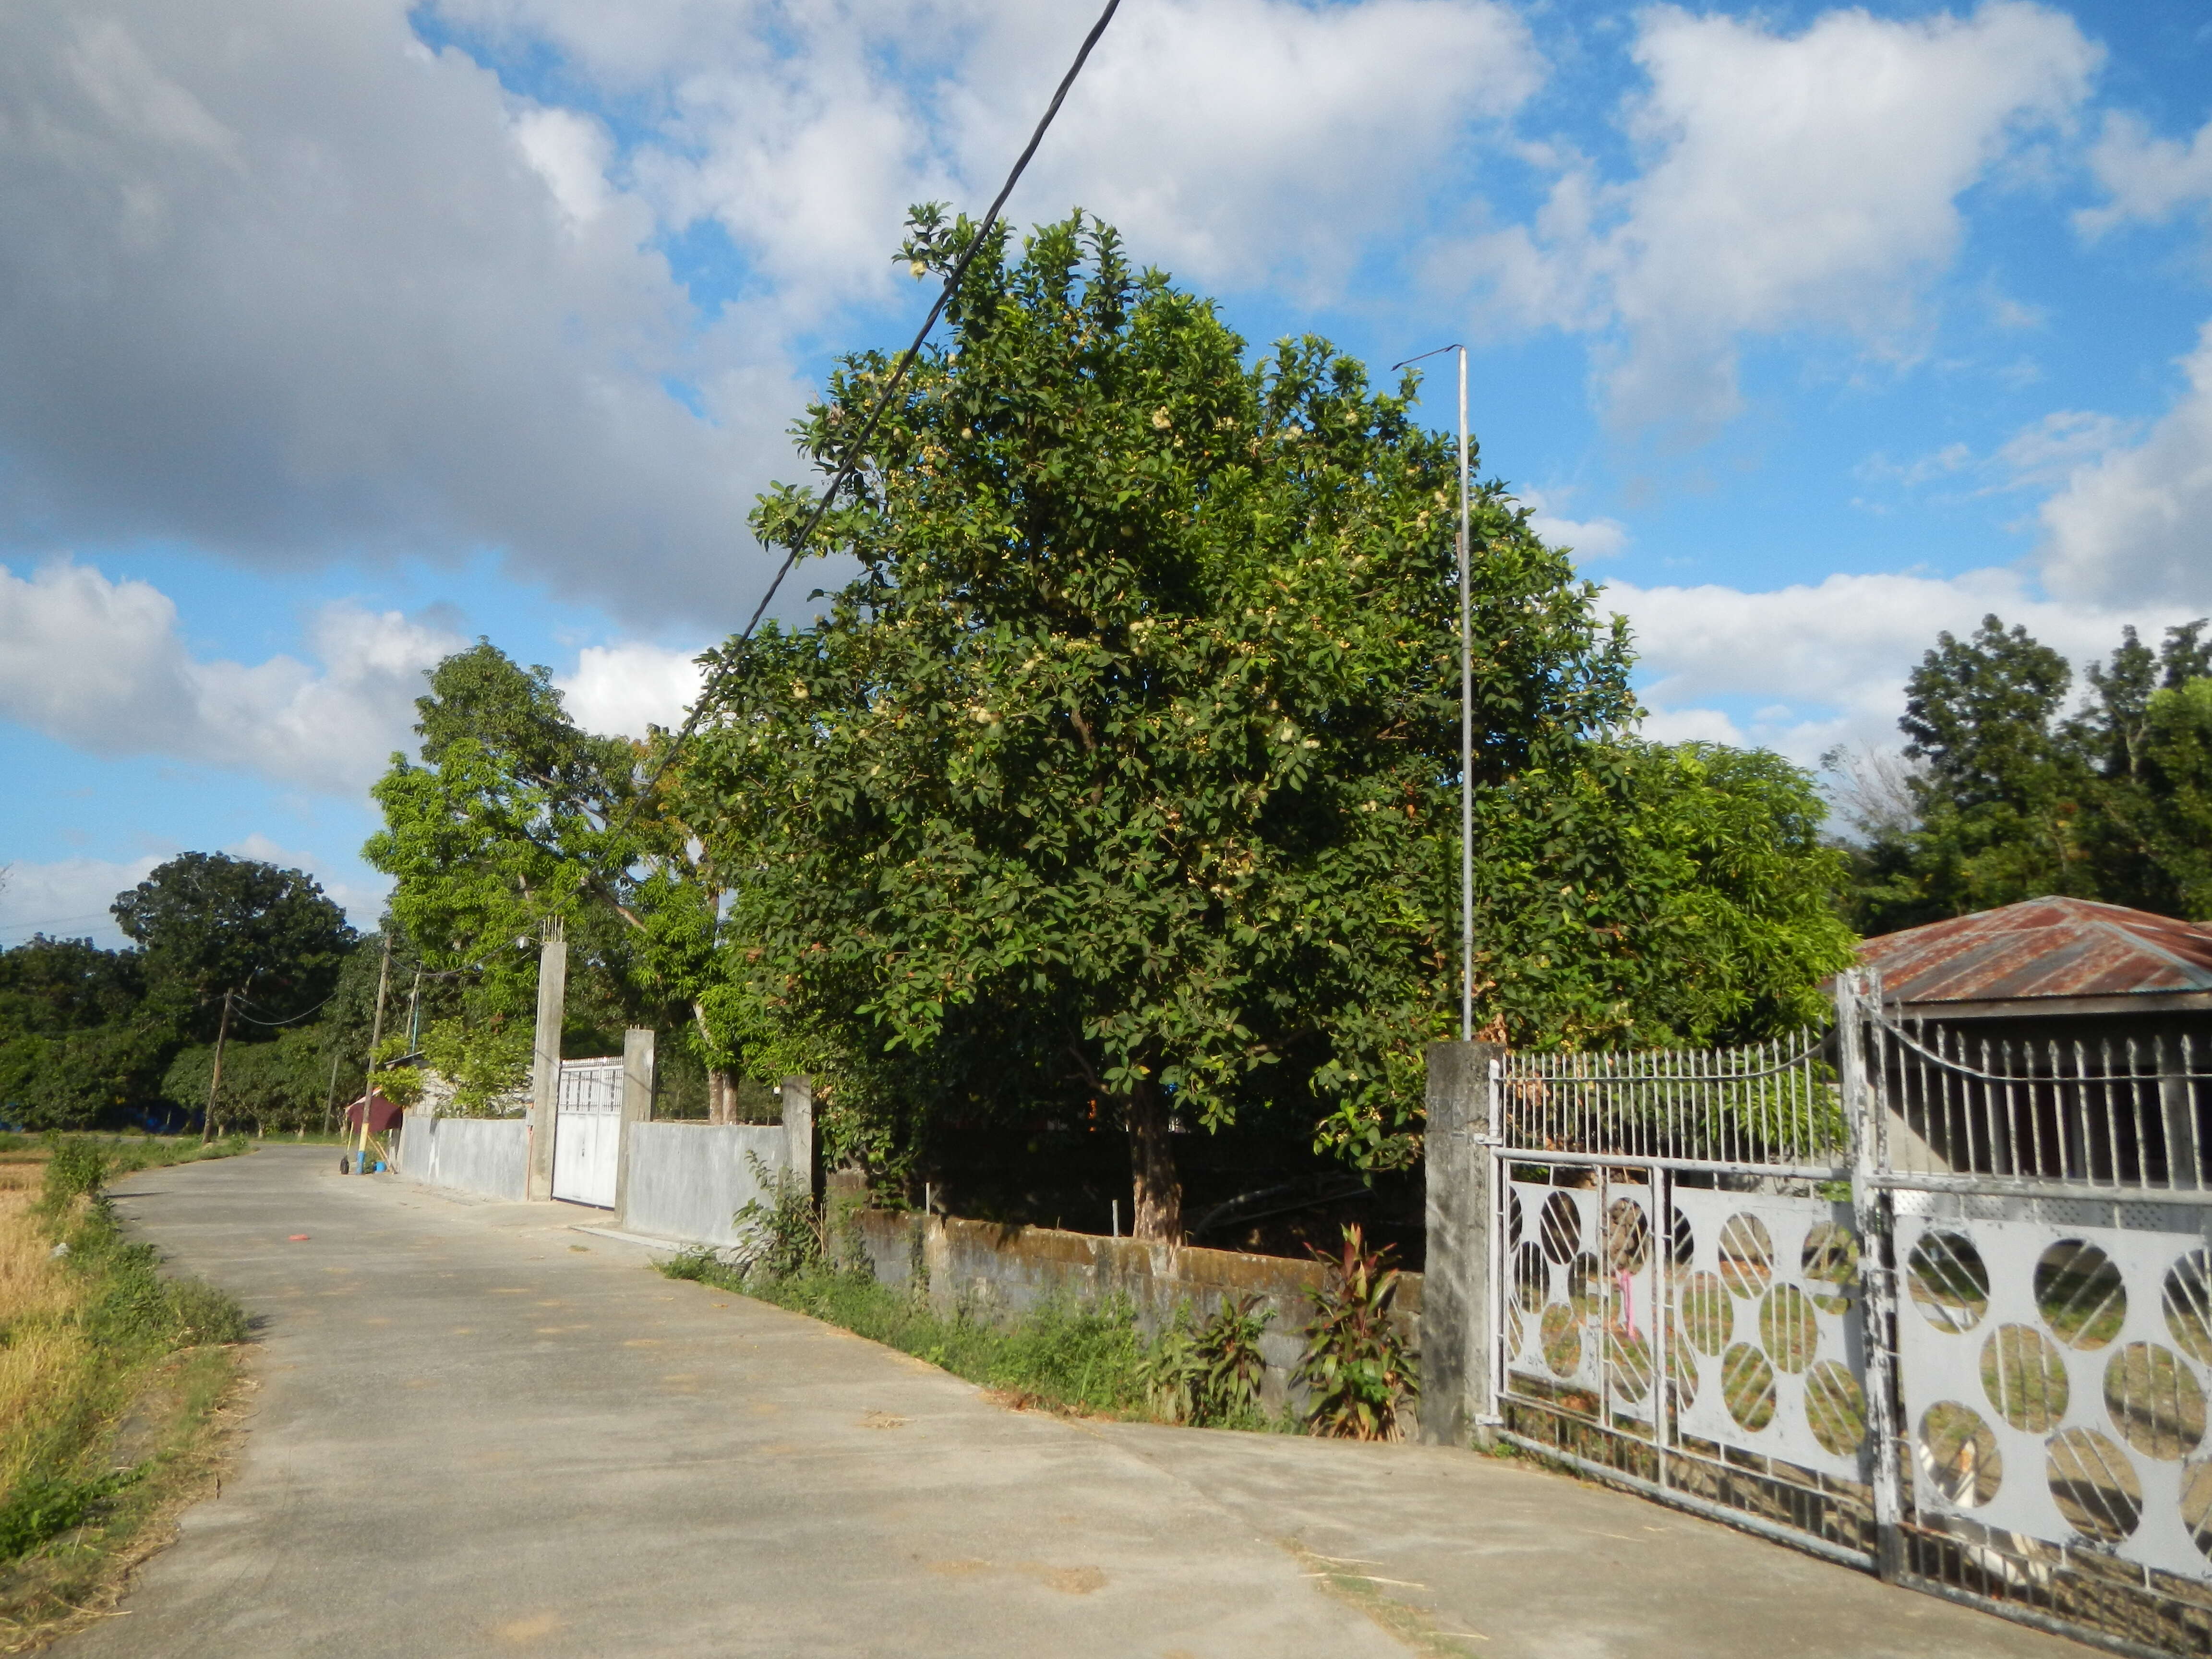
(859, 446)
(295, 1019)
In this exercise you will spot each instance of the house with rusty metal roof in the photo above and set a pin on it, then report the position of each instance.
(2055, 1038)
(2047, 958)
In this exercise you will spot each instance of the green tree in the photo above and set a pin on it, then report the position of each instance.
(516, 815)
(208, 924)
(2012, 800)
(1123, 778)
(54, 985)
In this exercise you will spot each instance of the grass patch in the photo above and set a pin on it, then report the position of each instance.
(111, 1379)
(1062, 1356)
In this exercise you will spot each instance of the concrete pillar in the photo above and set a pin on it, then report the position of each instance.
(545, 1056)
(636, 1107)
(1456, 1317)
(798, 1127)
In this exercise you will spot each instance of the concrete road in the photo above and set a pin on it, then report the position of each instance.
(480, 1432)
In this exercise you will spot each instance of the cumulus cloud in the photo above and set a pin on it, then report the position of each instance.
(1788, 181)
(1593, 538)
(1232, 141)
(100, 664)
(2130, 524)
(2148, 180)
(282, 283)
(626, 687)
(68, 898)
(1814, 664)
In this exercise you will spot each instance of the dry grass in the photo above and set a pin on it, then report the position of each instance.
(92, 1385)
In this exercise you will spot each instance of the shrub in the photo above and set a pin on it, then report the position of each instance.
(1208, 1375)
(1356, 1368)
(75, 1169)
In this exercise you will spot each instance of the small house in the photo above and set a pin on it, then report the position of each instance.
(2055, 1039)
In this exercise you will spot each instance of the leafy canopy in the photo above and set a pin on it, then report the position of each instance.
(1124, 774)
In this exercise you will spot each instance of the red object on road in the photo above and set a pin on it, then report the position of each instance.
(297, 1238)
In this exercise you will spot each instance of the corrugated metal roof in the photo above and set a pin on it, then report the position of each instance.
(2047, 947)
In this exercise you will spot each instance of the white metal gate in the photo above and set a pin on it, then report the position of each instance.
(1947, 1316)
(587, 1131)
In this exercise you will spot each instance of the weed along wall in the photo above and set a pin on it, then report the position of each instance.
(486, 1155)
(687, 1181)
(994, 1269)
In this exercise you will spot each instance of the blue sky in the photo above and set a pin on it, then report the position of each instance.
(337, 336)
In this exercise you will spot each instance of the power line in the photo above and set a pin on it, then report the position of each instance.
(295, 1020)
(859, 446)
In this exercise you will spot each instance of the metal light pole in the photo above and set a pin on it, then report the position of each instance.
(1465, 721)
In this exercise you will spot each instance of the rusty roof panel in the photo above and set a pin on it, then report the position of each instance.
(2047, 947)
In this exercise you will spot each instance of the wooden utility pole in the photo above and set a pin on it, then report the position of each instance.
(214, 1081)
(331, 1106)
(375, 1037)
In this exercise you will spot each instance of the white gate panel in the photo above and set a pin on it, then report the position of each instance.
(1579, 1300)
(2055, 1379)
(1769, 1338)
(587, 1132)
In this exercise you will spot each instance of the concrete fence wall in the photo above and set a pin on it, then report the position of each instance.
(486, 1155)
(685, 1181)
(994, 1269)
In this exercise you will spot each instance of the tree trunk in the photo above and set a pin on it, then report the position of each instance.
(1159, 1216)
(721, 1097)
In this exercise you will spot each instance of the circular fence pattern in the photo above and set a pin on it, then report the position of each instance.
(2080, 1294)
(2024, 1376)
(2093, 1485)
(1948, 1281)
(1958, 1454)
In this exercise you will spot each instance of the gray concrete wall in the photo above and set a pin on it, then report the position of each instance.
(487, 1155)
(1008, 1270)
(685, 1181)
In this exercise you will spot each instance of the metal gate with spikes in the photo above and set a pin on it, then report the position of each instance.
(1940, 1310)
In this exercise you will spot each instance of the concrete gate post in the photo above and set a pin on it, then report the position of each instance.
(798, 1129)
(1458, 1403)
(638, 1044)
(545, 1057)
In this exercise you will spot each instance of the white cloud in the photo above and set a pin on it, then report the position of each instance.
(284, 284)
(2131, 525)
(100, 664)
(1820, 664)
(626, 688)
(1232, 141)
(1593, 538)
(1790, 181)
(2149, 179)
(68, 898)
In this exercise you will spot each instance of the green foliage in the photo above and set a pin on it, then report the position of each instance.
(1064, 1355)
(486, 1063)
(281, 1084)
(1115, 776)
(37, 1510)
(789, 1233)
(74, 1169)
(2014, 800)
(1207, 1373)
(1357, 1371)
(50, 986)
(207, 923)
(515, 817)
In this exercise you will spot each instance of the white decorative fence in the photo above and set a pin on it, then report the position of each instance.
(1942, 1311)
